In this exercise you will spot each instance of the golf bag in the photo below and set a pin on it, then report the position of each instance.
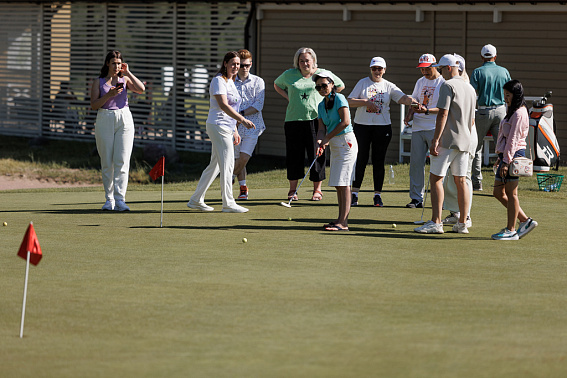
(541, 141)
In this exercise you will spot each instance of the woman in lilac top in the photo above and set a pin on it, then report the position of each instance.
(512, 143)
(114, 127)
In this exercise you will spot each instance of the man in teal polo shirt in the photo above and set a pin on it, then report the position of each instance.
(488, 81)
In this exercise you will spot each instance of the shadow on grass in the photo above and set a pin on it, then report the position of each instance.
(356, 232)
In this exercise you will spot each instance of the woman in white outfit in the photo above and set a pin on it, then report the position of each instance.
(221, 128)
(114, 127)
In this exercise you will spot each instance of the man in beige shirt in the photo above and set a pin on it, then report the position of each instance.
(453, 144)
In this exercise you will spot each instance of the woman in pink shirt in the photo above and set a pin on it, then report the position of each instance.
(512, 143)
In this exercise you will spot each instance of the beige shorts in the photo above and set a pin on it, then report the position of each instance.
(344, 149)
(246, 145)
(457, 160)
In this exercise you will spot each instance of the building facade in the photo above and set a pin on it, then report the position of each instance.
(51, 50)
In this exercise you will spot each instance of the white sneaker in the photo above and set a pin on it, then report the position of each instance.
(430, 228)
(505, 234)
(234, 209)
(526, 227)
(460, 228)
(121, 206)
(451, 219)
(199, 206)
(108, 206)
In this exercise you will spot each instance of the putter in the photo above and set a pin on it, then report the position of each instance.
(288, 204)
(424, 201)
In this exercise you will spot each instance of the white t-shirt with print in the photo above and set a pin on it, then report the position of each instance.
(427, 93)
(380, 93)
(220, 86)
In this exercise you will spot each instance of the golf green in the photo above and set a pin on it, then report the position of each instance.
(115, 295)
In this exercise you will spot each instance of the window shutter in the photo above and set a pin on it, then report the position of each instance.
(55, 51)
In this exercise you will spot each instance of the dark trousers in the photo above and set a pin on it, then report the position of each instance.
(301, 138)
(379, 137)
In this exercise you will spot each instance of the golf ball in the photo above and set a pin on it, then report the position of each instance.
(4, 224)
(394, 225)
(244, 240)
(289, 218)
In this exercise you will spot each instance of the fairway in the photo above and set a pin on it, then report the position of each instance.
(117, 296)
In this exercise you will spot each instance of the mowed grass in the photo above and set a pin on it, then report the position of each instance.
(117, 296)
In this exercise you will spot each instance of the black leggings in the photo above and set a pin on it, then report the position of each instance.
(379, 136)
(301, 137)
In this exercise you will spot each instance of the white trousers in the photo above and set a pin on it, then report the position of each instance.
(114, 132)
(222, 161)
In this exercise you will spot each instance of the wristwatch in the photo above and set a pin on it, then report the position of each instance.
(427, 112)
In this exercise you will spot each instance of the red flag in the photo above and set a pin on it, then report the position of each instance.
(159, 169)
(31, 244)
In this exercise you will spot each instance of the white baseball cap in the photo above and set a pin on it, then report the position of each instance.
(447, 60)
(378, 61)
(426, 60)
(461, 62)
(488, 51)
(323, 73)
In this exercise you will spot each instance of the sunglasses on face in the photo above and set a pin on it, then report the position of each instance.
(377, 68)
(321, 86)
(245, 65)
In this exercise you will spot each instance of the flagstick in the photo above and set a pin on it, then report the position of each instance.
(25, 292)
(161, 217)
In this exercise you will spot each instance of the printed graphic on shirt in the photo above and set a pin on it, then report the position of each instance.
(426, 95)
(304, 96)
(233, 99)
(377, 99)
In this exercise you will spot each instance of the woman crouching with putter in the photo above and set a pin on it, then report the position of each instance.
(335, 130)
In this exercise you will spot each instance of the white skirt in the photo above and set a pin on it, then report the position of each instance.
(344, 149)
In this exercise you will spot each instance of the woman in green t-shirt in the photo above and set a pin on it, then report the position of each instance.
(296, 86)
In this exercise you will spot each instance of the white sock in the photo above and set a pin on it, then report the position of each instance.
(355, 193)
(377, 194)
(242, 183)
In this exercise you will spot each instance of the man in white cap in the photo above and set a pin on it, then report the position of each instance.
(426, 91)
(488, 81)
(452, 145)
(451, 201)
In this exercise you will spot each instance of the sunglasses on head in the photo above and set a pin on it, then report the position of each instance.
(321, 86)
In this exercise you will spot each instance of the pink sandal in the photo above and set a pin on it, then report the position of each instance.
(317, 195)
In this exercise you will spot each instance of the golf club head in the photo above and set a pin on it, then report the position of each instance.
(419, 222)
(285, 204)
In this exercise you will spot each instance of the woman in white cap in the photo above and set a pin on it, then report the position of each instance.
(297, 87)
(372, 124)
(335, 131)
